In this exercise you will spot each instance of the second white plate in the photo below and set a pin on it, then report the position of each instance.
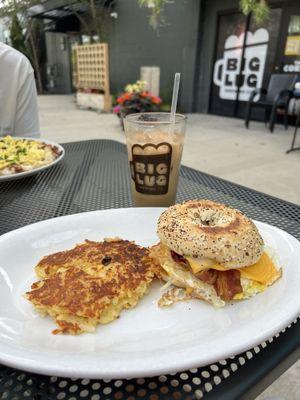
(39, 169)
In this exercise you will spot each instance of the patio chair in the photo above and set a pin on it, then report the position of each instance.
(277, 96)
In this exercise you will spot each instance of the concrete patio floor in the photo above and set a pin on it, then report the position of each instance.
(219, 146)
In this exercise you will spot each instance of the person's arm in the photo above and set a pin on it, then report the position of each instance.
(27, 119)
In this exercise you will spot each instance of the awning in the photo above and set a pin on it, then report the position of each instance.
(56, 9)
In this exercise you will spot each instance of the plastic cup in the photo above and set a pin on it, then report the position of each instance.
(154, 145)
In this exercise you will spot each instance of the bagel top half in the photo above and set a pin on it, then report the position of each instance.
(204, 229)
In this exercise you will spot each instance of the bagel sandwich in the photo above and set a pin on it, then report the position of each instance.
(212, 252)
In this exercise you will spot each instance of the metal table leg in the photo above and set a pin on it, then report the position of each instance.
(295, 135)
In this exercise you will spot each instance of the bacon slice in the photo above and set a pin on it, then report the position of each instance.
(179, 259)
(209, 276)
(226, 283)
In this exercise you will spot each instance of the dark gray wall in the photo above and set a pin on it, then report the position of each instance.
(133, 43)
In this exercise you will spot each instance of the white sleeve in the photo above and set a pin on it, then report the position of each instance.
(27, 119)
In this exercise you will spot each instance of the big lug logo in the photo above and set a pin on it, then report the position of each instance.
(227, 70)
(151, 167)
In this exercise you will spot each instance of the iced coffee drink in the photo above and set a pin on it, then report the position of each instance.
(154, 150)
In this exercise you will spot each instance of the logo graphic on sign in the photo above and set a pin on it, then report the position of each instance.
(292, 67)
(227, 69)
(150, 167)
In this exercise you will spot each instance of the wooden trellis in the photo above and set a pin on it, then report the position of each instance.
(91, 70)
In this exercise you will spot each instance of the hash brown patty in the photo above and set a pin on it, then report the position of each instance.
(91, 283)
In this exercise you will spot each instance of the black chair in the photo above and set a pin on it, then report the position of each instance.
(277, 96)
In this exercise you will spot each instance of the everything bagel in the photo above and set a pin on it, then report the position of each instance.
(204, 229)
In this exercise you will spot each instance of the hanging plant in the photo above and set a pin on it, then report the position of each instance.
(259, 9)
(156, 8)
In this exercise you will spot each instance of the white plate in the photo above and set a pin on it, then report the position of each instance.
(36, 170)
(146, 340)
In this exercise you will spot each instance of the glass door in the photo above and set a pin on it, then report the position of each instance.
(259, 59)
(244, 60)
(228, 55)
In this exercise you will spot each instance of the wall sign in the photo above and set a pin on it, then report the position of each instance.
(292, 47)
(226, 70)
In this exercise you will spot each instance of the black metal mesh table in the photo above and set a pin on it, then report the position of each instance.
(94, 176)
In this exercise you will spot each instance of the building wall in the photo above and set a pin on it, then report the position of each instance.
(133, 43)
(186, 44)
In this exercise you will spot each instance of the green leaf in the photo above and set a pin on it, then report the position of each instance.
(259, 9)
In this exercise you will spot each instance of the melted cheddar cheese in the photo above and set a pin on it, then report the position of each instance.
(263, 271)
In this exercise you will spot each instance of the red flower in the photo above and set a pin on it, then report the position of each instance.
(156, 99)
(124, 97)
(127, 96)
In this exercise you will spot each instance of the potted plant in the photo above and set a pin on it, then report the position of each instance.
(136, 99)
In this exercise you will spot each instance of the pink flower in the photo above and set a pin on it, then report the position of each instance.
(117, 109)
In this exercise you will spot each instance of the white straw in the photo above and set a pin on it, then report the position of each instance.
(175, 97)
